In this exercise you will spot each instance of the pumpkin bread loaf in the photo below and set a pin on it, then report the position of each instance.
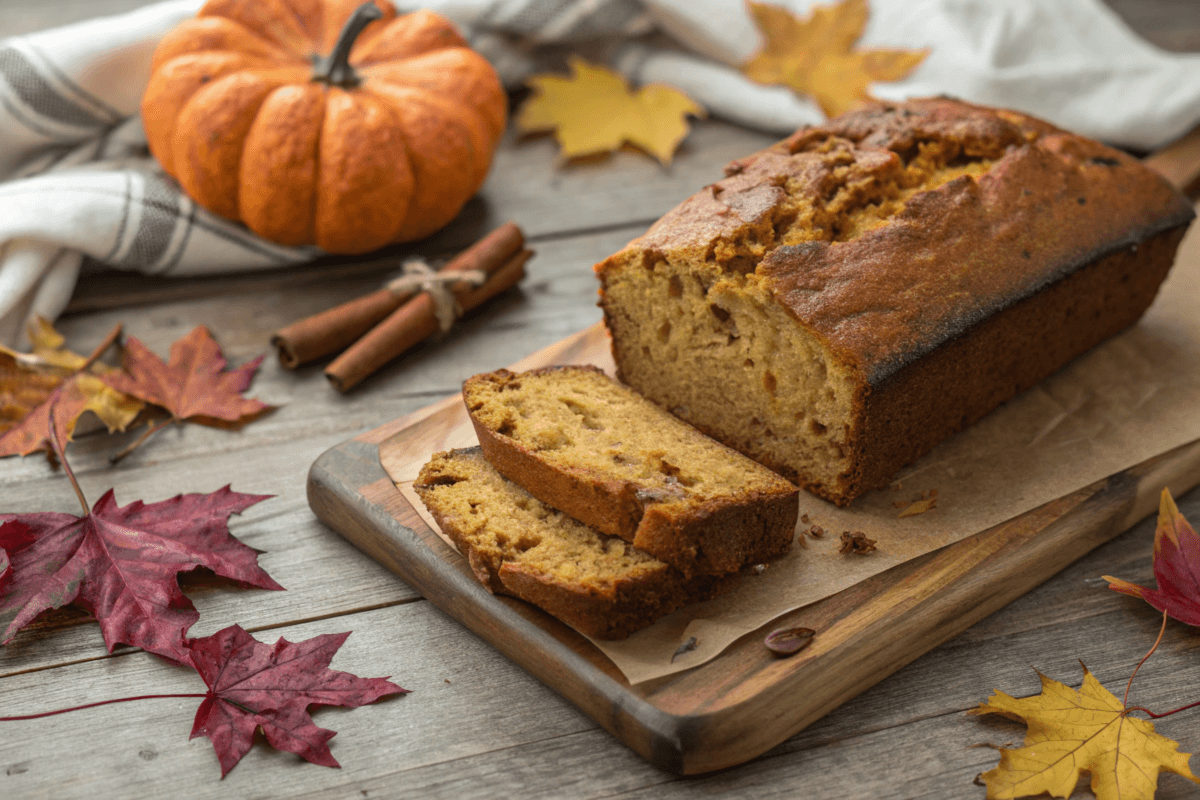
(586, 445)
(851, 296)
(516, 545)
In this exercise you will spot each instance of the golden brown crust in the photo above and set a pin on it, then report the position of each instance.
(607, 605)
(939, 251)
(711, 528)
(1044, 210)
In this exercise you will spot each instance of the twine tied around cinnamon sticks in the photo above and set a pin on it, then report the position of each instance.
(417, 274)
(374, 329)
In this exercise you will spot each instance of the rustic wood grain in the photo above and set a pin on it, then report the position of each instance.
(494, 730)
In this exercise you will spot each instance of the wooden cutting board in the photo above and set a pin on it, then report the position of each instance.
(745, 701)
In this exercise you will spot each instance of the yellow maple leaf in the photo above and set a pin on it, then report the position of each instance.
(816, 58)
(593, 111)
(28, 380)
(115, 409)
(51, 346)
(1075, 732)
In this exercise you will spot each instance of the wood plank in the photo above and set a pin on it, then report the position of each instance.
(323, 574)
(904, 738)
(459, 685)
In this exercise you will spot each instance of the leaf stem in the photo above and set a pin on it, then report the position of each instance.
(93, 705)
(150, 431)
(62, 456)
(1152, 715)
(108, 342)
(1161, 631)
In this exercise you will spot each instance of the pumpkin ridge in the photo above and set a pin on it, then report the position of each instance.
(211, 93)
(419, 220)
(461, 117)
(394, 73)
(422, 31)
(185, 35)
(318, 173)
(260, 16)
(160, 128)
(279, 171)
(365, 219)
(408, 160)
(241, 151)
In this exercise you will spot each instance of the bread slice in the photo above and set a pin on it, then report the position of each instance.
(576, 439)
(517, 545)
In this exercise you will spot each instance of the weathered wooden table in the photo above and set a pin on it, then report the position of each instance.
(476, 725)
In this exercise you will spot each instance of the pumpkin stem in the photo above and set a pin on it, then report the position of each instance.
(335, 68)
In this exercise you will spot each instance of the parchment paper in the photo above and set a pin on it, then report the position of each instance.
(1133, 397)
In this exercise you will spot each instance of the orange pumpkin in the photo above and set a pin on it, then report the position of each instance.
(316, 122)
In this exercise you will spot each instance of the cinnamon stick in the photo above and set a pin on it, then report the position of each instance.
(336, 329)
(414, 322)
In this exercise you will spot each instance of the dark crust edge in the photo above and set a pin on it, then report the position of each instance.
(972, 374)
(882, 373)
(698, 541)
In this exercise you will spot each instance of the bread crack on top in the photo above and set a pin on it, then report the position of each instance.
(846, 299)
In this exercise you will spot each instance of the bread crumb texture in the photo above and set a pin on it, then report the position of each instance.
(504, 523)
(614, 460)
(580, 419)
(518, 545)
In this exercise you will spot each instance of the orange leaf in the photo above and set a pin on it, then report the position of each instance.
(815, 56)
(193, 384)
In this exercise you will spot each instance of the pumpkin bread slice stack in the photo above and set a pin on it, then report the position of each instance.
(583, 443)
(516, 545)
(670, 514)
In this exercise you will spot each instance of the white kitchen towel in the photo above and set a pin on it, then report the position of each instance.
(76, 178)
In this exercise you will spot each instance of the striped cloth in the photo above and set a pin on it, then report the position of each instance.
(77, 180)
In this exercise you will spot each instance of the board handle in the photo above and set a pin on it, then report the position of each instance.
(1179, 163)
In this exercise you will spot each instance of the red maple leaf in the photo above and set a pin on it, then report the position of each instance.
(193, 383)
(121, 564)
(14, 536)
(253, 685)
(1176, 566)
